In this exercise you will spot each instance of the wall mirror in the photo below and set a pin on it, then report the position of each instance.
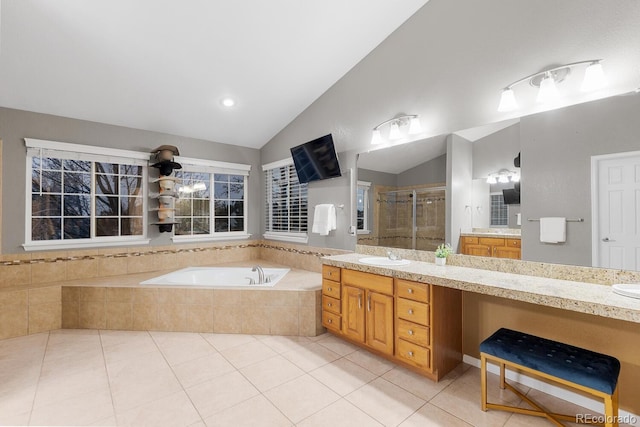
(577, 162)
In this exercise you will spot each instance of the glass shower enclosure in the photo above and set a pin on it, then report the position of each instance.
(412, 218)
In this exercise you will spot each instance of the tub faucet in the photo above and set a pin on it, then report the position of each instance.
(260, 273)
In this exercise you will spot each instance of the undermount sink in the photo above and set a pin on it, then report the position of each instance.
(627, 289)
(384, 261)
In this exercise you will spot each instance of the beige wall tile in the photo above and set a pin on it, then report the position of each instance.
(307, 322)
(70, 294)
(227, 319)
(308, 298)
(200, 318)
(120, 295)
(166, 261)
(119, 315)
(94, 294)
(284, 321)
(82, 269)
(92, 315)
(145, 295)
(70, 314)
(171, 296)
(172, 317)
(50, 294)
(256, 320)
(14, 275)
(13, 314)
(227, 297)
(46, 272)
(45, 317)
(112, 266)
(199, 296)
(141, 263)
(145, 316)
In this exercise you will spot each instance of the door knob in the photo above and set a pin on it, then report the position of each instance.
(606, 239)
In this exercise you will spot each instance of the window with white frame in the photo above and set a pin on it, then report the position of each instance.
(286, 203)
(362, 206)
(212, 200)
(84, 195)
(499, 211)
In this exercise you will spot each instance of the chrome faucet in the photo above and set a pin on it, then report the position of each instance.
(260, 273)
(393, 257)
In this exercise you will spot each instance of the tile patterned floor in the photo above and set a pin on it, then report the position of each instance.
(105, 378)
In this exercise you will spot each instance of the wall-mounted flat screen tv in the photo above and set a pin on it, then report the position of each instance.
(316, 160)
(511, 196)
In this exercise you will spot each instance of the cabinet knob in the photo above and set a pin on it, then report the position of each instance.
(410, 311)
(410, 290)
(410, 332)
(410, 354)
(329, 304)
(330, 321)
(330, 273)
(329, 289)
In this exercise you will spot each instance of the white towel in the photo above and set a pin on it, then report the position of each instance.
(324, 219)
(553, 229)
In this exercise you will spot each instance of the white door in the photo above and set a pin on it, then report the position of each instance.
(617, 229)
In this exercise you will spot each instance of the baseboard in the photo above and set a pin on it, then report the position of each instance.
(559, 392)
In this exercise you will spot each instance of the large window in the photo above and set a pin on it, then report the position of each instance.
(286, 203)
(83, 195)
(211, 201)
(499, 211)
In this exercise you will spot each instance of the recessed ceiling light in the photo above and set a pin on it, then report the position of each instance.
(228, 102)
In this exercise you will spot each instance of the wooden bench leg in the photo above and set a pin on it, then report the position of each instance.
(611, 410)
(483, 381)
(502, 376)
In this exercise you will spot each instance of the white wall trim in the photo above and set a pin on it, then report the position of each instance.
(56, 245)
(287, 237)
(209, 238)
(278, 164)
(87, 149)
(559, 392)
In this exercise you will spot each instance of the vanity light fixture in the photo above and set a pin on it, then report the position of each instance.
(503, 176)
(395, 128)
(548, 80)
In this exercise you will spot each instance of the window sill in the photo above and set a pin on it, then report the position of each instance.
(287, 237)
(53, 246)
(209, 238)
(363, 231)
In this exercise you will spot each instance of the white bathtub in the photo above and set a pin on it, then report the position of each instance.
(218, 277)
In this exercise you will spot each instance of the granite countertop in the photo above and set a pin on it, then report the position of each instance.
(599, 300)
(491, 234)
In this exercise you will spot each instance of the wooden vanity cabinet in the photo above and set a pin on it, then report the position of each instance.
(496, 247)
(367, 315)
(413, 324)
(331, 294)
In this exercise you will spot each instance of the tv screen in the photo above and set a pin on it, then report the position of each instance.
(316, 160)
(511, 196)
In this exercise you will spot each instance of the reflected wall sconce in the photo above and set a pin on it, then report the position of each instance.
(503, 176)
(548, 80)
(397, 127)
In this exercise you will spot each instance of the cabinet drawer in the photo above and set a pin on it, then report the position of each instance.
(330, 304)
(331, 321)
(412, 290)
(416, 312)
(331, 273)
(491, 241)
(514, 243)
(331, 288)
(469, 240)
(374, 282)
(414, 354)
(413, 332)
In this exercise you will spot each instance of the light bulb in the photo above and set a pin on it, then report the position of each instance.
(515, 177)
(228, 102)
(548, 91)
(394, 132)
(414, 126)
(491, 180)
(376, 138)
(503, 179)
(507, 101)
(594, 78)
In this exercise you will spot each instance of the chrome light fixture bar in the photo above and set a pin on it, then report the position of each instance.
(395, 125)
(547, 80)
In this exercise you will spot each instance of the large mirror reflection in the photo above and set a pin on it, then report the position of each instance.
(579, 163)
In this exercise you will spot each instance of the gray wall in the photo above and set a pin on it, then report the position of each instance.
(15, 125)
(433, 171)
(496, 151)
(377, 177)
(459, 188)
(556, 169)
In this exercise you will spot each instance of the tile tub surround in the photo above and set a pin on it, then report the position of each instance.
(582, 297)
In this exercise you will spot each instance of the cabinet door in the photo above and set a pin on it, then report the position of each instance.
(506, 252)
(478, 250)
(380, 322)
(353, 313)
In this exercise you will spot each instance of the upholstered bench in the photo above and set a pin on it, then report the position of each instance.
(585, 370)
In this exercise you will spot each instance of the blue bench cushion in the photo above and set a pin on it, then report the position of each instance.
(590, 369)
